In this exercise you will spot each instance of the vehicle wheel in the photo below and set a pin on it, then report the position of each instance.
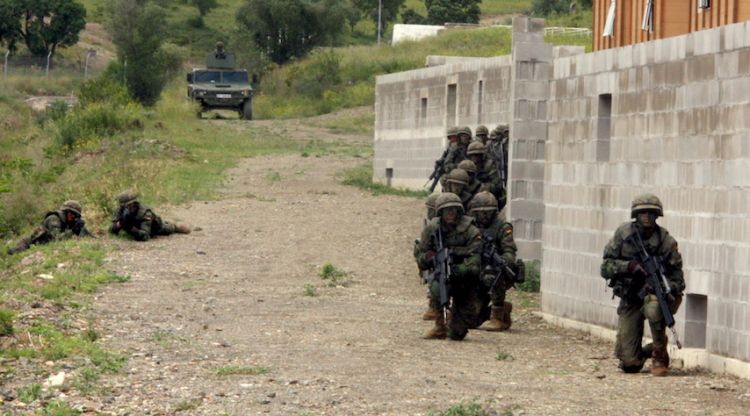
(247, 110)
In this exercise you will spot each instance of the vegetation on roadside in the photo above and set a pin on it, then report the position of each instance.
(463, 409)
(234, 370)
(532, 281)
(334, 276)
(361, 177)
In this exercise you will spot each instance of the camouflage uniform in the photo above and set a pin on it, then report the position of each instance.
(55, 227)
(495, 231)
(464, 242)
(430, 314)
(457, 182)
(474, 185)
(487, 172)
(498, 144)
(140, 221)
(628, 283)
(481, 134)
(456, 152)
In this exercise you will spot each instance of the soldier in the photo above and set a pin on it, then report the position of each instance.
(487, 172)
(430, 314)
(457, 182)
(497, 148)
(627, 278)
(463, 240)
(481, 134)
(220, 53)
(464, 136)
(471, 169)
(140, 221)
(62, 224)
(495, 231)
(456, 152)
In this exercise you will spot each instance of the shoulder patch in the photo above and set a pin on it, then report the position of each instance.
(509, 231)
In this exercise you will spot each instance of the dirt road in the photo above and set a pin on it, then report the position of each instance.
(232, 297)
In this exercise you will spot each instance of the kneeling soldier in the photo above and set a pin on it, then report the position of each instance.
(627, 277)
(452, 238)
(499, 235)
(57, 225)
(140, 221)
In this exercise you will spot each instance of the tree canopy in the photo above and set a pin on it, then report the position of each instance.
(43, 25)
(453, 11)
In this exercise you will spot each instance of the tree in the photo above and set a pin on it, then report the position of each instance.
(43, 25)
(137, 31)
(204, 6)
(411, 17)
(388, 14)
(453, 11)
(286, 29)
(547, 7)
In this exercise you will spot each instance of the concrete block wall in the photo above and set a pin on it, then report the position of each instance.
(411, 113)
(670, 117)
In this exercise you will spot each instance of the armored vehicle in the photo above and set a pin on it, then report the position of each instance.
(221, 85)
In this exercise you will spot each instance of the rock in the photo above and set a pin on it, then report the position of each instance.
(272, 395)
(55, 380)
(32, 259)
(201, 252)
(601, 376)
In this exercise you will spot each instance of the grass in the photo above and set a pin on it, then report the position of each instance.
(504, 356)
(59, 408)
(361, 177)
(187, 405)
(463, 409)
(355, 124)
(233, 370)
(6, 322)
(29, 393)
(310, 290)
(532, 282)
(334, 276)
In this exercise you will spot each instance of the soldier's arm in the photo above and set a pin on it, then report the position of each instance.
(425, 245)
(506, 246)
(54, 228)
(472, 263)
(613, 266)
(143, 231)
(673, 265)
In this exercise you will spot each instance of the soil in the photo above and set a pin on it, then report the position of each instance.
(236, 292)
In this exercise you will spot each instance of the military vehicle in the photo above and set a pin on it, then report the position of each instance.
(221, 85)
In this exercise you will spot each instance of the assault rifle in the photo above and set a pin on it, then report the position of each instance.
(654, 279)
(438, 171)
(441, 270)
(490, 257)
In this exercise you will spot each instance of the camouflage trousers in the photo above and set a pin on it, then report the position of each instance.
(469, 307)
(167, 228)
(630, 325)
(496, 294)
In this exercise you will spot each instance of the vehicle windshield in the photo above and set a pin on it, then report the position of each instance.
(207, 76)
(235, 77)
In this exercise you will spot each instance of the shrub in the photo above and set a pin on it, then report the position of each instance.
(532, 281)
(95, 121)
(6, 322)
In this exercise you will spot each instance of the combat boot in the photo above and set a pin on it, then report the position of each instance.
(496, 322)
(430, 314)
(507, 309)
(439, 331)
(182, 229)
(659, 361)
(22, 245)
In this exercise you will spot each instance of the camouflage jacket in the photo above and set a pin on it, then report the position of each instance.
(464, 243)
(456, 154)
(55, 228)
(500, 233)
(142, 226)
(621, 250)
(490, 179)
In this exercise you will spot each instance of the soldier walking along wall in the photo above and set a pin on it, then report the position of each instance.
(671, 117)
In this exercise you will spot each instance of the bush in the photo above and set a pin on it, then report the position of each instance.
(105, 89)
(196, 22)
(86, 125)
(532, 280)
(6, 322)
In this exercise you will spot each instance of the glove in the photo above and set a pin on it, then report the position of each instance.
(428, 256)
(635, 267)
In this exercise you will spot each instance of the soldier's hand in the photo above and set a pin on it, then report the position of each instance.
(635, 267)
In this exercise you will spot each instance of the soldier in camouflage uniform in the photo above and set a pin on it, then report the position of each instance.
(481, 134)
(456, 153)
(457, 182)
(430, 314)
(626, 276)
(497, 146)
(495, 231)
(463, 241)
(487, 172)
(140, 221)
(471, 169)
(58, 225)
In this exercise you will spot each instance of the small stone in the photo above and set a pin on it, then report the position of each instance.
(201, 252)
(45, 276)
(55, 380)
(272, 395)
(601, 376)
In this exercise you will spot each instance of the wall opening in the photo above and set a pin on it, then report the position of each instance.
(450, 108)
(388, 176)
(696, 316)
(423, 112)
(480, 100)
(604, 128)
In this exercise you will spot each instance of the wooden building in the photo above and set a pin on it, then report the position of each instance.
(669, 18)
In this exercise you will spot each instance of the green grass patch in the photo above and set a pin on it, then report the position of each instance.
(532, 282)
(233, 370)
(187, 405)
(361, 177)
(362, 124)
(28, 394)
(310, 290)
(334, 276)
(6, 322)
(463, 409)
(504, 356)
(59, 408)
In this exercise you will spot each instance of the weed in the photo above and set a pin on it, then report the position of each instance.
(6, 322)
(361, 177)
(504, 356)
(233, 370)
(30, 393)
(273, 176)
(532, 280)
(59, 408)
(310, 290)
(463, 409)
(86, 380)
(187, 405)
(334, 276)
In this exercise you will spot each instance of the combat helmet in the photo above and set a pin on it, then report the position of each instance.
(127, 197)
(448, 200)
(72, 206)
(464, 130)
(482, 130)
(452, 131)
(469, 166)
(458, 176)
(646, 202)
(483, 201)
(430, 201)
(501, 130)
(476, 148)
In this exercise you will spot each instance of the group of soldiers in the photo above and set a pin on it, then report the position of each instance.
(135, 219)
(466, 253)
(467, 257)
